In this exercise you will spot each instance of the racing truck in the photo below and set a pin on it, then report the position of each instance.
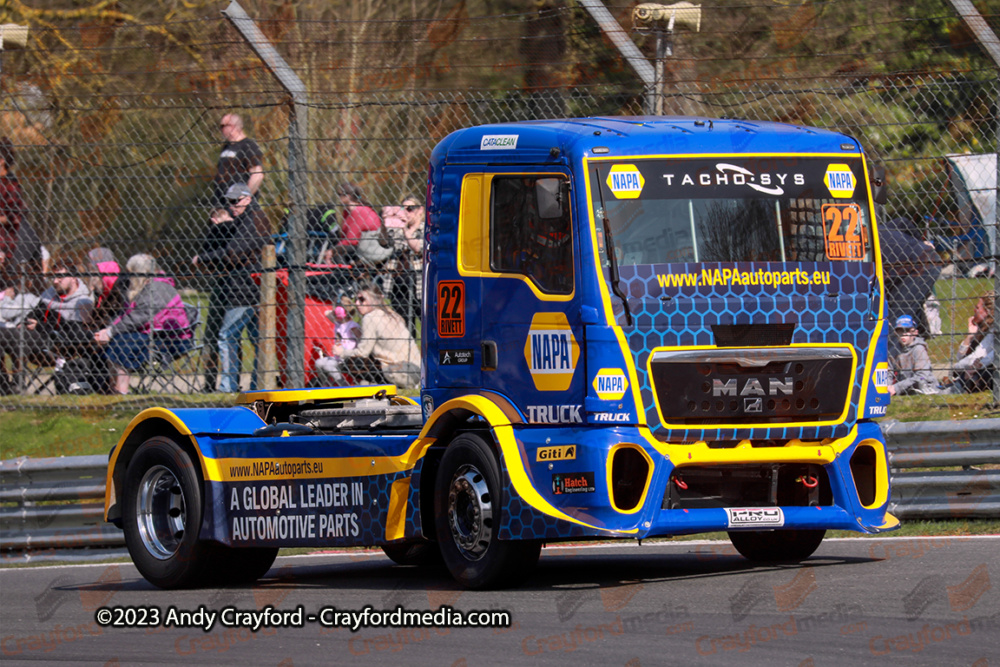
(633, 327)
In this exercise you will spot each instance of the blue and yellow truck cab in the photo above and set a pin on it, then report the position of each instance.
(633, 327)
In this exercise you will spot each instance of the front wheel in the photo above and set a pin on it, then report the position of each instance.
(420, 554)
(162, 507)
(467, 516)
(777, 546)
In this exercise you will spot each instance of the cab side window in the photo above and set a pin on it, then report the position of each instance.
(530, 230)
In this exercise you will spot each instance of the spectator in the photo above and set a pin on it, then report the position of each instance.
(912, 367)
(385, 339)
(359, 217)
(104, 283)
(406, 226)
(69, 297)
(240, 160)
(911, 267)
(974, 371)
(231, 254)
(17, 340)
(153, 306)
(20, 249)
(347, 333)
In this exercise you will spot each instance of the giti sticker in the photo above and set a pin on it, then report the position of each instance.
(563, 453)
(610, 384)
(451, 309)
(498, 142)
(625, 181)
(840, 181)
(573, 482)
(844, 236)
(551, 351)
(881, 377)
(764, 517)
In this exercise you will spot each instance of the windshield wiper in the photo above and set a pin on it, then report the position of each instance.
(609, 247)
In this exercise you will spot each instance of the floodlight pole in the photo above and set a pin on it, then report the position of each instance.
(633, 56)
(297, 174)
(988, 40)
(664, 49)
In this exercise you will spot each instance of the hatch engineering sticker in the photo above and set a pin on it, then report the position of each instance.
(573, 482)
(744, 517)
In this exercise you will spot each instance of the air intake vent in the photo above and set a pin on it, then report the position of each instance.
(752, 335)
(629, 474)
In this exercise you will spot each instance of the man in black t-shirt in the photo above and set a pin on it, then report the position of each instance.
(240, 160)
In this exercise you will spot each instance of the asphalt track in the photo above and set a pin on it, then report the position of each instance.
(885, 601)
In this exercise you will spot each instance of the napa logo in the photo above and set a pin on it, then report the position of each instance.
(881, 378)
(625, 181)
(551, 351)
(610, 384)
(840, 181)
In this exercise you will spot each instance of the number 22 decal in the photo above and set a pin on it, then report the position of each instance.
(844, 236)
(451, 308)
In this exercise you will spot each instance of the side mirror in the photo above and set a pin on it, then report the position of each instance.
(548, 195)
(880, 189)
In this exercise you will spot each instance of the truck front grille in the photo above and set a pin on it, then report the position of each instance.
(767, 485)
(751, 385)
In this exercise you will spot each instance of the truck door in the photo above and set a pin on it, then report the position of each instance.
(531, 336)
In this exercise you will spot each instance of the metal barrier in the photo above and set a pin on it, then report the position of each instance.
(53, 509)
(967, 493)
(45, 513)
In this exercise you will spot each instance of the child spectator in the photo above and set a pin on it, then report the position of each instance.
(912, 366)
(347, 333)
(384, 340)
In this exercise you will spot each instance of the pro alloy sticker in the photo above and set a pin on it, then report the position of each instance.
(756, 517)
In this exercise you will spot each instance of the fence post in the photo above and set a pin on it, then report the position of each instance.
(298, 172)
(267, 351)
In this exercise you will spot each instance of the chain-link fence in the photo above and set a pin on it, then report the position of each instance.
(119, 149)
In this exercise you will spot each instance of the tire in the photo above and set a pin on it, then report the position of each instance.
(467, 514)
(162, 511)
(420, 554)
(777, 546)
(243, 565)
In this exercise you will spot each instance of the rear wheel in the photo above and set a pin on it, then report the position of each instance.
(162, 507)
(242, 565)
(467, 515)
(420, 554)
(777, 546)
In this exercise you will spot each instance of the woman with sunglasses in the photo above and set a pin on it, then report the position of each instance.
(406, 288)
(384, 338)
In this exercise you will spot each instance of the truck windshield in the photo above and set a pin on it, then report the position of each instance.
(733, 209)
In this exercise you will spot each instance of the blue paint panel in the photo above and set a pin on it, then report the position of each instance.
(307, 446)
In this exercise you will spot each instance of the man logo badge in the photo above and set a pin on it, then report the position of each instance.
(753, 405)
